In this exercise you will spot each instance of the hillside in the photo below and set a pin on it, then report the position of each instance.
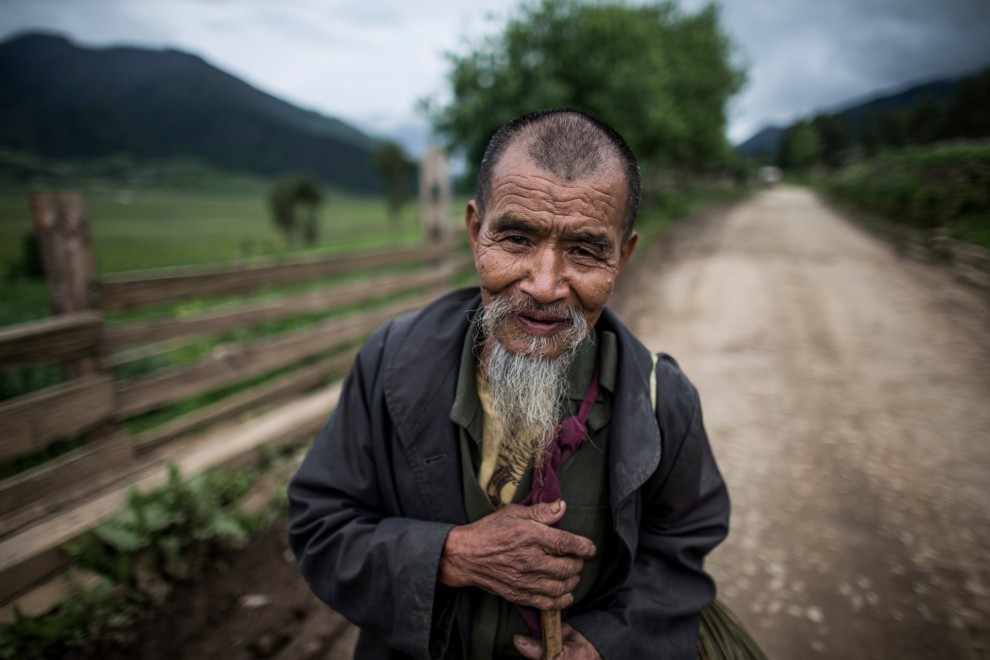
(58, 99)
(766, 142)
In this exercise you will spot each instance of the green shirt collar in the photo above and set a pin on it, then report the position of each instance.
(466, 410)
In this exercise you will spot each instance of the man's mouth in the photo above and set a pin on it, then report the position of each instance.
(540, 325)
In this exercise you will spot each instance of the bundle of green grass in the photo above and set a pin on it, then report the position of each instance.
(723, 637)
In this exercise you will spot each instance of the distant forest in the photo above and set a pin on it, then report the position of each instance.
(835, 139)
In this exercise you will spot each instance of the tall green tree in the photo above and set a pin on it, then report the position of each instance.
(660, 77)
(395, 170)
(294, 204)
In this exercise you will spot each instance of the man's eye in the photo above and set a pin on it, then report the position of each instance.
(517, 240)
(585, 253)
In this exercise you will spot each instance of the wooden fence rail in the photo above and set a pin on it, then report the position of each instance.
(133, 291)
(56, 339)
(292, 372)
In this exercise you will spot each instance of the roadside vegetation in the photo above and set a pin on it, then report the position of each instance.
(940, 189)
(921, 169)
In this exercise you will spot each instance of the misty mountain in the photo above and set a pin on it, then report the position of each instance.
(58, 99)
(767, 141)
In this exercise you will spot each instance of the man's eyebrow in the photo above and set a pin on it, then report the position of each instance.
(504, 223)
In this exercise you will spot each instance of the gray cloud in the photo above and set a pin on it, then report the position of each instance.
(806, 56)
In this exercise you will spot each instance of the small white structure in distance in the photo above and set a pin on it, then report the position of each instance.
(769, 175)
(434, 194)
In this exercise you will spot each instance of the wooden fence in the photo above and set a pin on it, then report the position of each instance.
(331, 301)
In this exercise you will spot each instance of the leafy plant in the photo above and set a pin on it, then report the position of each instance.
(168, 534)
(160, 537)
(74, 623)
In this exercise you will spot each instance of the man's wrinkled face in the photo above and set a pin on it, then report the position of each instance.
(550, 247)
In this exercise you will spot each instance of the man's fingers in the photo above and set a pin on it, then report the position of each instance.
(541, 594)
(559, 568)
(528, 647)
(547, 513)
(563, 544)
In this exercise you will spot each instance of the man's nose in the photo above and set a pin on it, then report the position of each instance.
(544, 280)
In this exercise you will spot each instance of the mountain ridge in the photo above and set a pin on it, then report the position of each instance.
(766, 141)
(60, 99)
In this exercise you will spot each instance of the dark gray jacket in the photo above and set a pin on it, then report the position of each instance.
(371, 505)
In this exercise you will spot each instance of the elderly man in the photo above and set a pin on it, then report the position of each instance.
(516, 449)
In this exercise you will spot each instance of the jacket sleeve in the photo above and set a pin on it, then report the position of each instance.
(683, 512)
(353, 546)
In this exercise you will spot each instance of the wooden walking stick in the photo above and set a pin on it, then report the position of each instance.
(553, 640)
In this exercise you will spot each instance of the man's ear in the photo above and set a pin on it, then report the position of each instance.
(627, 250)
(472, 220)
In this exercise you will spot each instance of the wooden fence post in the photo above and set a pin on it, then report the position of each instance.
(62, 227)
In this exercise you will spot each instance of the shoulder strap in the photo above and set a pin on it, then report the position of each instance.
(653, 380)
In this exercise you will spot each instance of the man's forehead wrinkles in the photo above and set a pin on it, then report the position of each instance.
(532, 218)
(534, 198)
(555, 187)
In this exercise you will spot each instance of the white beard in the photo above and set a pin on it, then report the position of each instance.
(528, 391)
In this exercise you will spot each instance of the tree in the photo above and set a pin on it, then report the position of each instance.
(968, 113)
(660, 77)
(395, 169)
(835, 135)
(285, 200)
(801, 147)
(925, 120)
(283, 209)
(309, 196)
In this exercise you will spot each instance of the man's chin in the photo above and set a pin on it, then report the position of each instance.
(535, 347)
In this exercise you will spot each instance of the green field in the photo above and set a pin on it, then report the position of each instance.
(187, 216)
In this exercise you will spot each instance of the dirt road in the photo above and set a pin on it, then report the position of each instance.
(847, 395)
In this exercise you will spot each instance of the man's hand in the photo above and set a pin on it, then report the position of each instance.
(576, 646)
(515, 554)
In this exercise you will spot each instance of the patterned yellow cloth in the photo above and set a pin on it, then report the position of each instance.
(502, 466)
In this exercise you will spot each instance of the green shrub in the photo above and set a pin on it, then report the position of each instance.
(923, 188)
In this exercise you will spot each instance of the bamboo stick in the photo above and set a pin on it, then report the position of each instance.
(553, 641)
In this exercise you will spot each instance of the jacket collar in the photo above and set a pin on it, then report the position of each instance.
(420, 384)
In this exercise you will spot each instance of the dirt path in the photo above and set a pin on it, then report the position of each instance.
(847, 396)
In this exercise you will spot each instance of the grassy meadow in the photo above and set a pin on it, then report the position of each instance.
(184, 215)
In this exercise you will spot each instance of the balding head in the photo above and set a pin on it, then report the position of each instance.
(570, 145)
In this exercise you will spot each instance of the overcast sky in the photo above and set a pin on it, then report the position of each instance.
(368, 61)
